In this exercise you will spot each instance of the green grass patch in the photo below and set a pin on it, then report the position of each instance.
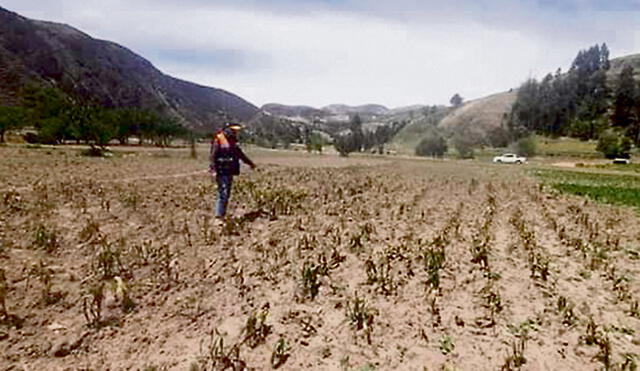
(567, 147)
(605, 194)
(606, 188)
(587, 178)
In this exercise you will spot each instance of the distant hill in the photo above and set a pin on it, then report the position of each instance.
(335, 118)
(484, 113)
(105, 73)
(368, 109)
(480, 115)
(333, 112)
(618, 63)
(420, 122)
(487, 112)
(301, 113)
(407, 109)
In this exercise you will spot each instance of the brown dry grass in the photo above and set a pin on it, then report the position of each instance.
(481, 114)
(416, 263)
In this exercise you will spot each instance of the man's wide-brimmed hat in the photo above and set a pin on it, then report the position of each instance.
(233, 126)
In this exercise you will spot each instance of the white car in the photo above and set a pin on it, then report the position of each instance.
(509, 158)
(624, 161)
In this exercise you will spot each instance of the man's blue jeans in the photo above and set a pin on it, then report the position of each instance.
(224, 192)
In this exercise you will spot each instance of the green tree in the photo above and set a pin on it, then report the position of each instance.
(167, 129)
(271, 131)
(315, 143)
(612, 144)
(604, 57)
(344, 144)
(596, 102)
(47, 109)
(498, 137)
(570, 103)
(352, 141)
(464, 145)
(586, 129)
(456, 100)
(549, 107)
(588, 73)
(633, 131)
(53, 130)
(10, 118)
(92, 125)
(626, 96)
(433, 144)
(525, 113)
(357, 136)
(146, 122)
(126, 121)
(527, 146)
(565, 102)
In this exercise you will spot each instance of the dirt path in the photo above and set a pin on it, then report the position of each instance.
(126, 180)
(565, 164)
(590, 166)
(155, 177)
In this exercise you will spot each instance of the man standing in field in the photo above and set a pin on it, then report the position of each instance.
(224, 157)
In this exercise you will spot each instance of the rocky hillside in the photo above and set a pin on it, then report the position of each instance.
(103, 72)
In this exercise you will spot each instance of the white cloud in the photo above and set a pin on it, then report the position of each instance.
(413, 52)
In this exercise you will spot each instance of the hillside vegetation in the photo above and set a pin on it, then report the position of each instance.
(482, 114)
(103, 73)
(582, 103)
(617, 64)
(420, 124)
(592, 101)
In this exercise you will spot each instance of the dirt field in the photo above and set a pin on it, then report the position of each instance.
(327, 263)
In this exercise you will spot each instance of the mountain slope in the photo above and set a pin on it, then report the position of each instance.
(617, 64)
(103, 72)
(479, 115)
(484, 113)
(369, 109)
(333, 112)
(420, 123)
(301, 113)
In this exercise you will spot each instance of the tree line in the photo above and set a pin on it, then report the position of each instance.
(58, 117)
(582, 103)
(357, 140)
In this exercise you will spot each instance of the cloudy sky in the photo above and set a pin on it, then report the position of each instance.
(318, 52)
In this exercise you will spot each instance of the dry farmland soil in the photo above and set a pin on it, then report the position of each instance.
(325, 263)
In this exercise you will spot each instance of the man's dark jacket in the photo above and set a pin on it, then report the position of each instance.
(225, 154)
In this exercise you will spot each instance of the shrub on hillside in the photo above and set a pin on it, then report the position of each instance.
(527, 146)
(315, 143)
(10, 118)
(344, 144)
(612, 144)
(433, 144)
(464, 145)
(498, 137)
(588, 129)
